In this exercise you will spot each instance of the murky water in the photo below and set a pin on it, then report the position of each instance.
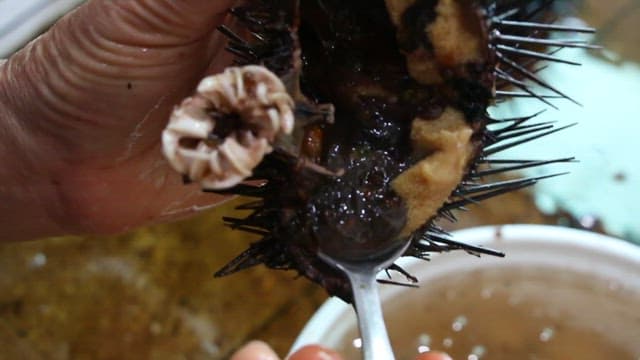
(494, 314)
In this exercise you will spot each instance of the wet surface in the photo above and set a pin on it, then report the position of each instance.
(152, 294)
(519, 313)
(148, 294)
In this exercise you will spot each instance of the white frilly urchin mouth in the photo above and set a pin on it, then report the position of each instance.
(252, 94)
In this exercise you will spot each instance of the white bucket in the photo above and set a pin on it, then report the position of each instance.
(548, 247)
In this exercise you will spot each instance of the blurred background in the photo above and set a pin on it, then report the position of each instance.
(150, 294)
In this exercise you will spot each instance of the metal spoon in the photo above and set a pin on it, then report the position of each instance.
(362, 276)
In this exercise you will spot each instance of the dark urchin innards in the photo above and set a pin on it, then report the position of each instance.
(370, 80)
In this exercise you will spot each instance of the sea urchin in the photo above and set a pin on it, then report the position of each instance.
(391, 128)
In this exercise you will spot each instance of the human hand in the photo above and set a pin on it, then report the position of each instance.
(83, 107)
(257, 350)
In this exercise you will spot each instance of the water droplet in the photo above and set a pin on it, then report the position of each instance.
(479, 350)
(447, 342)
(155, 328)
(424, 340)
(472, 357)
(588, 221)
(357, 343)
(546, 334)
(210, 348)
(423, 349)
(38, 260)
(459, 323)
(486, 293)
(515, 300)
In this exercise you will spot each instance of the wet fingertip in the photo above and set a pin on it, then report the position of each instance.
(255, 350)
(434, 355)
(315, 352)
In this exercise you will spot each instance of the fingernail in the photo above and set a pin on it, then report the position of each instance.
(255, 350)
(315, 352)
(433, 355)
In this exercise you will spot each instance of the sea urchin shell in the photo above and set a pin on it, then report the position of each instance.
(391, 128)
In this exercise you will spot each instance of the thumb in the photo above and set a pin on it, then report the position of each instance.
(147, 49)
(433, 355)
(255, 350)
(156, 22)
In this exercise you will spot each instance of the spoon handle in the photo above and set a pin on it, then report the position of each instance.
(373, 332)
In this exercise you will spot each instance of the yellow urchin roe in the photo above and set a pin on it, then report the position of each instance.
(445, 143)
(455, 34)
(397, 8)
(423, 67)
